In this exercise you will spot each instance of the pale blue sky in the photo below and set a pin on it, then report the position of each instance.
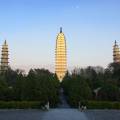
(31, 26)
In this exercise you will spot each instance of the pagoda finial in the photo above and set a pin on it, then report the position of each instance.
(115, 42)
(5, 42)
(60, 29)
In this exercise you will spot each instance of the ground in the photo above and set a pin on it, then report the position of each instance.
(59, 114)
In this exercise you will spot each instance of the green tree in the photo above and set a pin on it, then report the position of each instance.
(109, 92)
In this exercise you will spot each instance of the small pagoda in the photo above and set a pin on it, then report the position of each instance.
(116, 53)
(4, 57)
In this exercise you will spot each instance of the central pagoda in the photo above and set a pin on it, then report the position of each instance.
(60, 56)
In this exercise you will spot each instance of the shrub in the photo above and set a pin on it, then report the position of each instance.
(20, 105)
(102, 105)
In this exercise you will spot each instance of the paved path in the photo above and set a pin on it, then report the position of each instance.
(63, 101)
(59, 114)
(64, 114)
(103, 114)
(21, 114)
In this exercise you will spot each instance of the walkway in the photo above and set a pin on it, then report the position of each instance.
(63, 101)
(64, 114)
(59, 114)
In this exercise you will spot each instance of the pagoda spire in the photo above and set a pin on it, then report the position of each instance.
(115, 42)
(5, 43)
(60, 29)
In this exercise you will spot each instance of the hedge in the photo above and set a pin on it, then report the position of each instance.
(20, 105)
(38, 105)
(102, 105)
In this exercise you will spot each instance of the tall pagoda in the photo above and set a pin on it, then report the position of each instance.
(116, 53)
(60, 56)
(4, 57)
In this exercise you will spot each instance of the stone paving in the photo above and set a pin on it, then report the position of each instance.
(64, 114)
(21, 114)
(103, 114)
(59, 114)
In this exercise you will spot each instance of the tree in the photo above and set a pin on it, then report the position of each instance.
(109, 92)
(115, 69)
(77, 89)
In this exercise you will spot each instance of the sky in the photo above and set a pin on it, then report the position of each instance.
(31, 26)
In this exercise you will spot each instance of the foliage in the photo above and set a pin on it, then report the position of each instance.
(38, 85)
(93, 83)
(76, 89)
(109, 92)
(20, 104)
(102, 105)
(84, 84)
